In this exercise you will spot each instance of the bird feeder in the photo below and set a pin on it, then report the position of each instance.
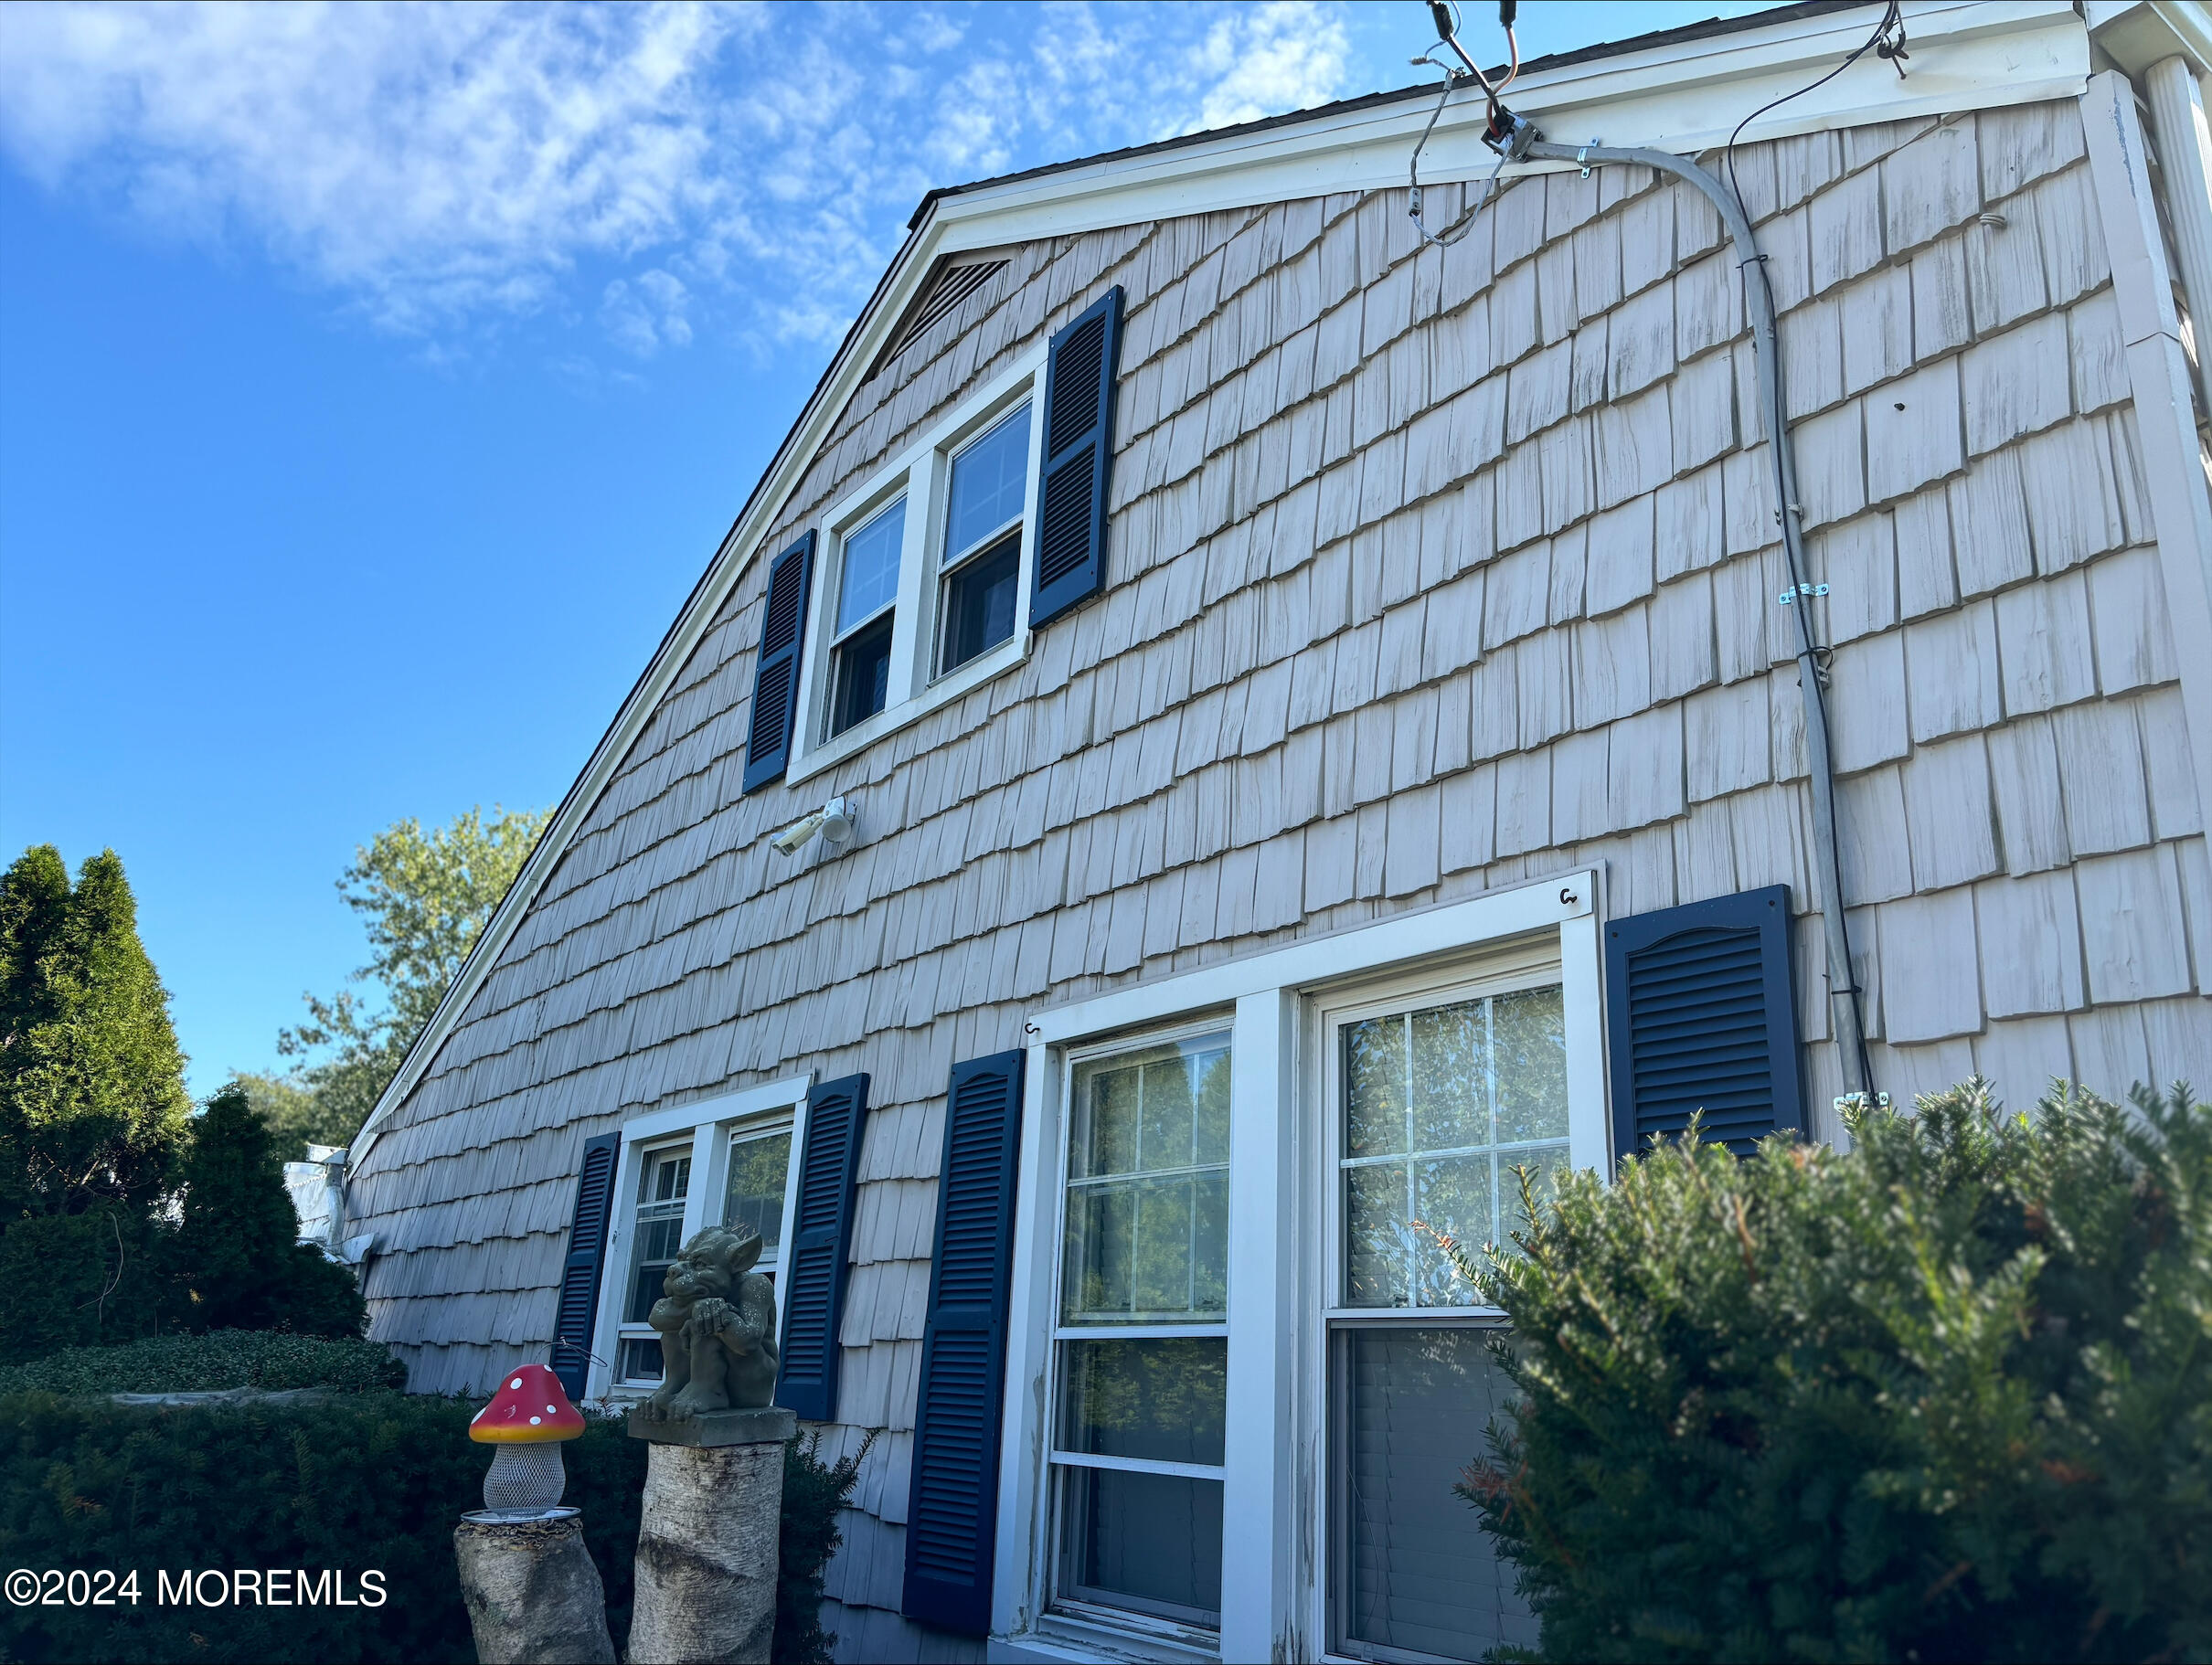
(527, 1420)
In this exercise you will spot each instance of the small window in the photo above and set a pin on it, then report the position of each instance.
(981, 564)
(664, 1188)
(867, 592)
(1143, 1342)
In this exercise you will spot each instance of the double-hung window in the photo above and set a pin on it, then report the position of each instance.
(726, 1162)
(1246, 1374)
(926, 575)
(1440, 1102)
(980, 566)
(1143, 1361)
(868, 610)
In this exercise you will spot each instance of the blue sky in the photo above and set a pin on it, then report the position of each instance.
(375, 382)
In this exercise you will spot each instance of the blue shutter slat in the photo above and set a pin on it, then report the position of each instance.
(952, 1505)
(577, 1312)
(1701, 1016)
(1069, 564)
(822, 1242)
(775, 676)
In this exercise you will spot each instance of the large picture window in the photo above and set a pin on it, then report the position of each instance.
(1141, 1342)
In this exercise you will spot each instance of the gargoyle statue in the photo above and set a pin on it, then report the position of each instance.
(717, 1318)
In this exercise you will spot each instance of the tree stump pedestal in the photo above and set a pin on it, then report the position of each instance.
(707, 1540)
(533, 1596)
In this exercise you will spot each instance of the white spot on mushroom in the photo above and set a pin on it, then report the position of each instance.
(534, 1421)
(551, 1412)
(515, 1382)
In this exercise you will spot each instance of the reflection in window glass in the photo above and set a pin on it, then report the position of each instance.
(990, 480)
(871, 566)
(979, 602)
(1164, 1400)
(753, 1200)
(1147, 1221)
(1440, 1106)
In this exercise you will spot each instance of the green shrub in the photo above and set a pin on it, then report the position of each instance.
(370, 1480)
(265, 1359)
(1947, 1396)
(85, 1280)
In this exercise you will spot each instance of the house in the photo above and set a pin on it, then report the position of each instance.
(1318, 721)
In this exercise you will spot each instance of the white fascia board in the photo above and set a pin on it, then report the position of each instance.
(1685, 97)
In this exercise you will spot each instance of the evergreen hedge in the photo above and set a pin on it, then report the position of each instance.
(357, 1481)
(1945, 1396)
(270, 1360)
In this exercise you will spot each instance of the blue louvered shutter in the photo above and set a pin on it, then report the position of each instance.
(1701, 1016)
(577, 1312)
(1071, 564)
(775, 674)
(822, 1243)
(952, 1508)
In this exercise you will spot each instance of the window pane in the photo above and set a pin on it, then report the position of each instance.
(1165, 1401)
(1162, 1275)
(989, 481)
(1531, 1047)
(871, 566)
(1374, 1087)
(664, 1180)
(1379, 1265)
(1147, 1220)
(1467, 1091)
(1450, 1090)
(864, 675)
(754, 1200)
(979, 603)
(640, 1360)
(1453, 1197)
(1418, 1572)
(1147, 1541)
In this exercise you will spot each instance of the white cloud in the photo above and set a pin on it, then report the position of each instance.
(443, 170)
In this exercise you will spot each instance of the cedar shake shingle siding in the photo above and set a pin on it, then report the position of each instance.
(1429, 572)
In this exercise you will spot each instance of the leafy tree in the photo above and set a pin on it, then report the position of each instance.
(1944, 1396)
(238, 1263)
(92, 1101)
(425, 896)
(297, 1116)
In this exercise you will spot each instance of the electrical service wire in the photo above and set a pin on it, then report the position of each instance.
(1459, 229)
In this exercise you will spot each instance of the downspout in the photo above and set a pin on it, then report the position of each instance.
(1846, 1020)
(2185, 149)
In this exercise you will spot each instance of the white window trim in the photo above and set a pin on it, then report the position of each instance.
(1271, 1580)
(922, 474)
(710, 1123)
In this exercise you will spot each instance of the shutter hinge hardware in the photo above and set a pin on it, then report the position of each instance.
(1788, 598)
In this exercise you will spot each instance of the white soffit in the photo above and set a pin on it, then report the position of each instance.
(1683, 95)
(2136, 33)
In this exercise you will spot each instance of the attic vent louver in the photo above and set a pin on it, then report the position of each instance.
(953, 285)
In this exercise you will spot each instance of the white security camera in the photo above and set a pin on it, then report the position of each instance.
(832, 821)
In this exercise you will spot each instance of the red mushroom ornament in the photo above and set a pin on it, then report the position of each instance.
(526, 1419)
